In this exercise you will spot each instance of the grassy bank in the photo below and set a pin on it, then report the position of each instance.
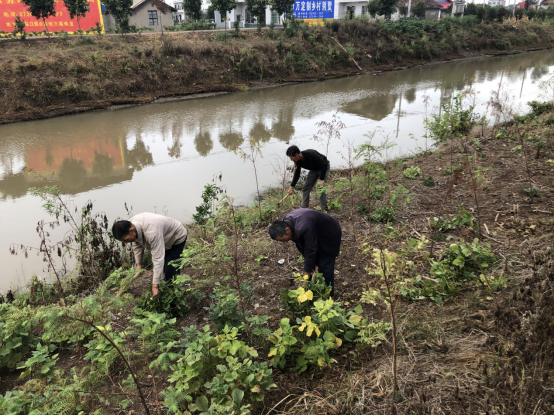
(459, 241)
(44, 79)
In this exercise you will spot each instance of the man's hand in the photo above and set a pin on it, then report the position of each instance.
(291, 190)
(320, 183)
(155, 292)
(138, 266)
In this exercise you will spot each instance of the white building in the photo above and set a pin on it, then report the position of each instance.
(242, 15)
(179, 15)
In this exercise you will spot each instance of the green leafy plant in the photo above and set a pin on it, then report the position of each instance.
(300, 300)
(532, 192)
(412, 172)
(154, 330)
(16, 337)
(224, 310)
(41, 362)
(172, 298)
(216, 375)
(101, 352)
(429, 181)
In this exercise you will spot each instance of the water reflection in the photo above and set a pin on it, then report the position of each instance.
(88, 151)
(203, 143)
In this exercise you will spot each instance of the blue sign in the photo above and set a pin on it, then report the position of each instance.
(315, 9)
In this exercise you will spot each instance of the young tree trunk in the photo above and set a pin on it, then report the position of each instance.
(46, 28)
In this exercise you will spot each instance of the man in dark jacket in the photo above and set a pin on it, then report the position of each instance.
(316, 235)
(317, 164)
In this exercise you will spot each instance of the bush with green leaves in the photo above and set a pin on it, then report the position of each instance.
(398, 197)
(321, 326)
(101, 352)
(301, 299)
(539, 108)
(66, 394)
(224, 309)
(154, 330)
(453, 222)
(172, 298)
(461, 264)
(216, 375)
(412, 172)
(16, 336)
(454, 122)
(41, 362)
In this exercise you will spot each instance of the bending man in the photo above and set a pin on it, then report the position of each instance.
(164, 236)
(317, 164)
(316, 235)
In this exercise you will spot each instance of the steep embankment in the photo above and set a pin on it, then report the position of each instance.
(42, 78)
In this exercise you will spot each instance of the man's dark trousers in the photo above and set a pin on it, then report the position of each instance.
(172, 254)
(326, 266)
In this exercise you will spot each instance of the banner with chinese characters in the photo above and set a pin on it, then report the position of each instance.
(10, 9)
(316, 9)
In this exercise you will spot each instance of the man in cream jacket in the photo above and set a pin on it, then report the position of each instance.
(164, 236)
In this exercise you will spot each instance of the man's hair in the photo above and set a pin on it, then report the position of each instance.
(293, 150)
(121, 228)
(277, 229)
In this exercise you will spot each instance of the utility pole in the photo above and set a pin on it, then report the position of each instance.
(409, 7)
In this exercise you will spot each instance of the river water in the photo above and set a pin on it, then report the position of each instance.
(158, 157)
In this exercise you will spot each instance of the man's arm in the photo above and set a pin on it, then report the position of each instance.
(296, 175)
(138, 251)
(158, 254)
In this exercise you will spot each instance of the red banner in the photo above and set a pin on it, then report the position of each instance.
(10, 9)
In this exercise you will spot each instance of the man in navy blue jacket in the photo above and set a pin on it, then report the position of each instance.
(317, 236)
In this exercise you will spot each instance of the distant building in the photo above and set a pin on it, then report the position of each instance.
(152, 14)
(433, 9)
(179, 15)
(241, 14)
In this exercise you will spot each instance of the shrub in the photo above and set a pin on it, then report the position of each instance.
(538, 108)
(216, 375)
(224, 310)
(172, 298)
(16, 336)
(412, 172)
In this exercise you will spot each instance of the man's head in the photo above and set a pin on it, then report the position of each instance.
(280, 231)
(293, 152)
(124, 231)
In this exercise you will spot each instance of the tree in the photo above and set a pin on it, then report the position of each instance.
(120, 10)
(223, 6)
(193, 8)
(374, 8)
(471, 9)
(19, 27)
(403, 10)
(388, 7)
(41, 10)
(257, 8)
(282, 7)
(77, 8)
(419, 10)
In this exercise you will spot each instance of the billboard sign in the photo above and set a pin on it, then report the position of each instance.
(10, 9)
(316, 9)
